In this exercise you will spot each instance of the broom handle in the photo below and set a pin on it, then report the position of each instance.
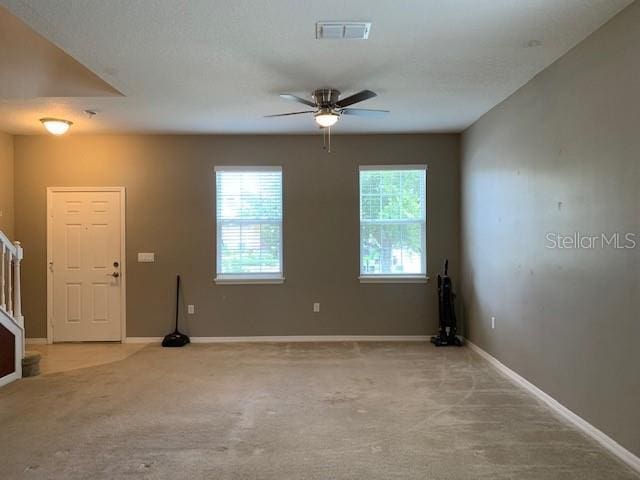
(177, 300)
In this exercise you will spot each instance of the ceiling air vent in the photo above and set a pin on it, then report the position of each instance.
(343, 30)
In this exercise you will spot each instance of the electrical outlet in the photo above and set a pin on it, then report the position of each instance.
(493, 323)
(191, 309)
(316, 307)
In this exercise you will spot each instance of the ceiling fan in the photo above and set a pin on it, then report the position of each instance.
(328, 108)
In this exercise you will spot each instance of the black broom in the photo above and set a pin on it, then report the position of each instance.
(176, 339)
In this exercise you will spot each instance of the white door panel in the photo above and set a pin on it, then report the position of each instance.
(86, 254)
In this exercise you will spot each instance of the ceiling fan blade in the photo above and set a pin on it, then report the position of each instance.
(356, 97)
(287, 114)
(295, 98)
(364, 112)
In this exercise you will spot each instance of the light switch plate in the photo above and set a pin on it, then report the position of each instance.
(191, 309)
(146, 257)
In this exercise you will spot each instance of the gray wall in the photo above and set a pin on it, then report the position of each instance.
(170, 211)
(562, 155)
(6, 184)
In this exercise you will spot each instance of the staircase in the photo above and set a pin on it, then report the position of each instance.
(11, 319)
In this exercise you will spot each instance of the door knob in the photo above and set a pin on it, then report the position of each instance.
(114, 274)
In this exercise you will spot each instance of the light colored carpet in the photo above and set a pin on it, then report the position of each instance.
(290, 411)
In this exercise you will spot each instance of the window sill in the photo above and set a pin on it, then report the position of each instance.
(394, 279)
(242, 280)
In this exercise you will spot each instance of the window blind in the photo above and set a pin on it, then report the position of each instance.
(249, 221)
(393, 220)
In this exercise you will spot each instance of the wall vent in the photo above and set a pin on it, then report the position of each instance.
(343, 30)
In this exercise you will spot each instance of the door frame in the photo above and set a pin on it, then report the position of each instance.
(123, 260)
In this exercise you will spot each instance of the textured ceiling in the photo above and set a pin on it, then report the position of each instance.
(33, 67)
(203, 66)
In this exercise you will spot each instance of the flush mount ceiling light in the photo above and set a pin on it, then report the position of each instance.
(326, 118)
(56, 126)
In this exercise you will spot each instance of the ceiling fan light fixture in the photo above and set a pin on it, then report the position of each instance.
(56, 126)
(326, 118)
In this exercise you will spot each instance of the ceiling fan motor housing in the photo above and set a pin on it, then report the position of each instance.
(326, 97)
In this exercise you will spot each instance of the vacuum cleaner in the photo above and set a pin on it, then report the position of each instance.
(176, 339)
(448, 329)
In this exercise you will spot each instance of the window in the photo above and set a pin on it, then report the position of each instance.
(249, 224)
(393, 223)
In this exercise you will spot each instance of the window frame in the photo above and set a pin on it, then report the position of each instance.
(394, 277)
(248, 278)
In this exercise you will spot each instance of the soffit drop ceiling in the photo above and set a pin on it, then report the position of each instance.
(203, 66)
(33, 67)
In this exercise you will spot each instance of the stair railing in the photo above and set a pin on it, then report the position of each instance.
(10, 294)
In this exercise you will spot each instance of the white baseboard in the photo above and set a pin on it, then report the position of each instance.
(314, 338)
(603, 439)
(36, 341)
(143, 340)
(294, 338)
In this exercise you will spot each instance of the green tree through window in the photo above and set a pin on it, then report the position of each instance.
(392, 220)
(249, 221)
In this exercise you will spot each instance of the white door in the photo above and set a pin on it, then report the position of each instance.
(86, 265)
